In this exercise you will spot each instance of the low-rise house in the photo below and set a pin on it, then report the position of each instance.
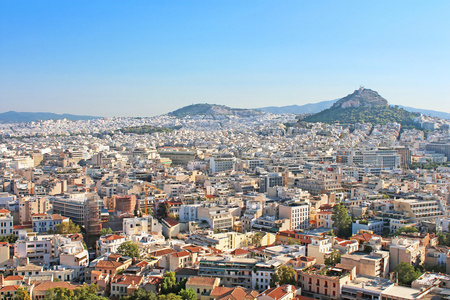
(38, 292)
(236, 293)
(283, 292)
(125, 285)
(202, 286)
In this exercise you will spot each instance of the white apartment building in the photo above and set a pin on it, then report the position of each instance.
(298, 213)
(46, 222)
(262, 274)
(221, 164)
(189, 212)
(6, 222)
(135, 226)
(109, 244)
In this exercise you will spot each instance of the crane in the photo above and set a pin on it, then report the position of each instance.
(146, 187)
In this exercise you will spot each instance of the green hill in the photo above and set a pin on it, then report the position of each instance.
(364, 114)
(364, 106)
(212, 110)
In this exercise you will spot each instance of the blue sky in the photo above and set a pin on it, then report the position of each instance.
(143, 58)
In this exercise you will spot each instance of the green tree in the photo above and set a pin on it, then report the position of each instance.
(169, 283)
(163, 210)
(188, 294)
(106, 231)
(22, 294)
(141, 294)
(406, 273)
(59, 294)
(66, 228)
(170, 296)
(284, 275)
(85, 292)
(342, 221)
(407, 229)
(129, 248)
(256, 239)
(333, 258)
(8, 238)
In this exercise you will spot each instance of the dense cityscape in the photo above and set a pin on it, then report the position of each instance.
(222, 206)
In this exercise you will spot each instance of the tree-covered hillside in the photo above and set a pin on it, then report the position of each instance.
(363, 114)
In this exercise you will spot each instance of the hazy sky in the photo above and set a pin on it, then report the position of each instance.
(143, 58)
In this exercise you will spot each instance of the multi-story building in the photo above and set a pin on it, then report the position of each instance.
(83, 209)
(297, 212)
(189, 212)
(218, 217)
(46, 222)
(404, 250)
(322, 282)
(368, 225)
(271, 180)
(6, 222)
(29, 206)
(125, 203)
(233, 272)
(320, 247)
(262, 274)
(373, 264)
(365, 287)
(221, 163)
(110, 243)
(420, 210)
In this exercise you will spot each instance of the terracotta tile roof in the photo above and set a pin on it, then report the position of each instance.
(365, 236)
(197, 280)
(162, 252)
(181, 254)
(277, 292)
(237, 293)
(14, 277)
(8, 288)
(49, 285)
(193, 249)
(171, 221)
(127, 279)
(108, 264)
(345, 243)
(4, 211)
(113, 237)
(17, 227)
(58, 217)
(142, 263)
(240, 252)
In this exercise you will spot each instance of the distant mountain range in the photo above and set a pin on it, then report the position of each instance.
(212, 110)
(310, 108)
(14, 116)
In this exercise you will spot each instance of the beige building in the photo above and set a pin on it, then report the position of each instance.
(420, 210)
(218, 217)
(29, 206)
(319, 248)
(4, 254)
(373, 264)
(404, 250)
(325, 282)
(202, 286)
